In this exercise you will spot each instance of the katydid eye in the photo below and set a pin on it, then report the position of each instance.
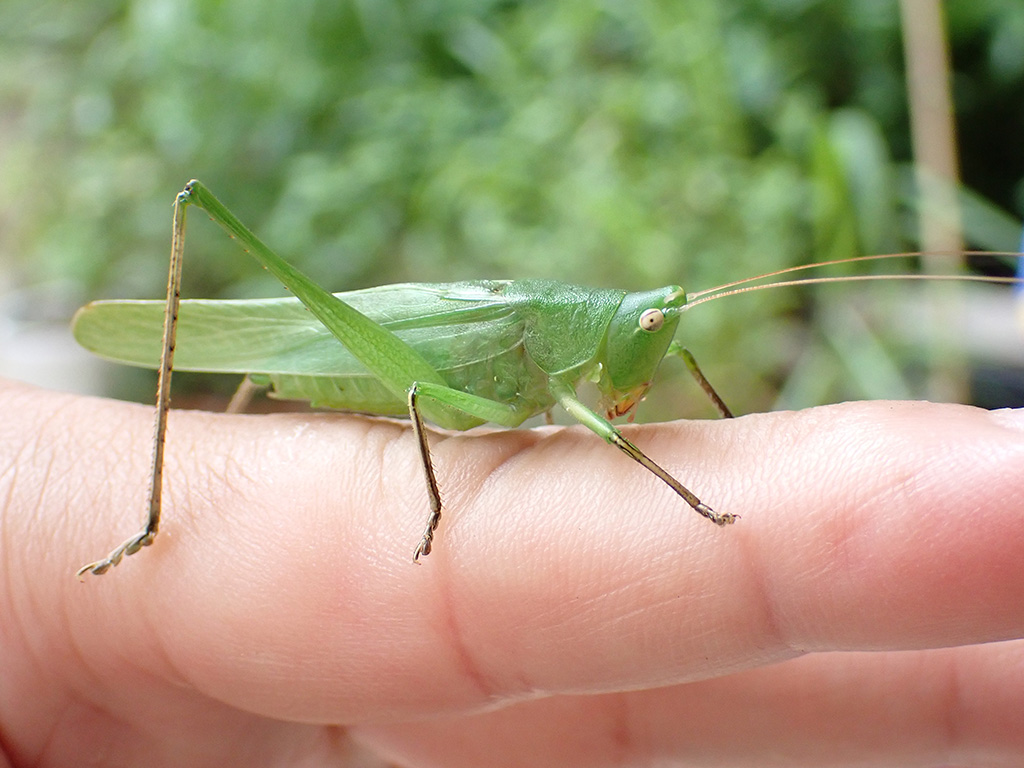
(651, 320)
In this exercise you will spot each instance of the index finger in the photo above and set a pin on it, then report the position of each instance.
(282, 581)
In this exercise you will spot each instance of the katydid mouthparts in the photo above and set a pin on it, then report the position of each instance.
(456, 354)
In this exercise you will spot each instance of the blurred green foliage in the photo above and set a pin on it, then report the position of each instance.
(626, 143)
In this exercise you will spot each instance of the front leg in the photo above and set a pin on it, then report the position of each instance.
(566, 397)
(675, 348)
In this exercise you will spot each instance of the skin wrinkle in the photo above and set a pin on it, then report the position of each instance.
(472, 667)
(848, 522)
(90, 678)
(851, 522)
(520, 686)
(951, 715)
(842, 530)
(776, 639)
(234, 473)
(220, 718)
(586, 443)
(622, 736)
(170, 672)
(397, 439)
(66, 721)
(470, 491)
(949, 511)
(84, 688)
(755, 578)
(589, 444)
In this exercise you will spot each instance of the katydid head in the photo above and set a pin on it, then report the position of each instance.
(642, 328)
(638, 336)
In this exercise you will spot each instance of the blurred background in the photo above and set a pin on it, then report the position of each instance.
(616, 143)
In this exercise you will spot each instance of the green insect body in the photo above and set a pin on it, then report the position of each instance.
(458, 354)
(497, 339)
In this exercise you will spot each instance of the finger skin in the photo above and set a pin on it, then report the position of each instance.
(281, 583)
(958, 706)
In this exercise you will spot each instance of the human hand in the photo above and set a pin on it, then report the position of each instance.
(574, 611)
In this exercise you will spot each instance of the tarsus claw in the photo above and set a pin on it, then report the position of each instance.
(130, 547)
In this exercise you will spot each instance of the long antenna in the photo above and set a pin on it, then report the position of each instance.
(744, 286)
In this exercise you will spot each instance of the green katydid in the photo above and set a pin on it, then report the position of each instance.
(458, 354)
